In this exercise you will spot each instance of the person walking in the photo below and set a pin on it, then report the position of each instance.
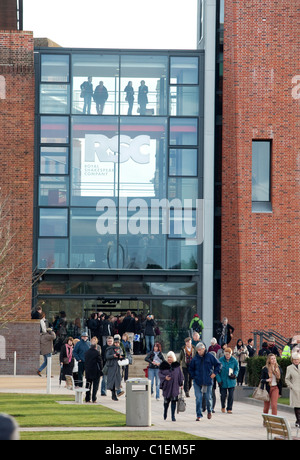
(271, 378)
(46, 348)
(227, 379)
(93, 371)
(66, 359)
(196, 324)
(204, 368)
(113, 354)
(149, 326)
(128, 354)
(187, 353)
(287, 351)
(171, 380)
(250, 348)
(292, 379)
(241, 354)
(79, 354)
(155, 358)
(225, 332)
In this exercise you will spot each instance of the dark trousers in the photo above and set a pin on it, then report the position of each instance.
(240, 378)
(80, 374)
(92, 385)
(187, 380)
(227, 393)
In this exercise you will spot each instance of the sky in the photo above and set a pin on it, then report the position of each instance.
(135, 24)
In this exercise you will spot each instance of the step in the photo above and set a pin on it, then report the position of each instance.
(135, 369)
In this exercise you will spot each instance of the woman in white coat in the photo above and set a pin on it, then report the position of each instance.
(292, 380)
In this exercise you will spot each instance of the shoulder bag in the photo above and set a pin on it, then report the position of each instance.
(181, 404)
(261, 394)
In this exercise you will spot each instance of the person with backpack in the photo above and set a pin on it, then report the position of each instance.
(196, 325)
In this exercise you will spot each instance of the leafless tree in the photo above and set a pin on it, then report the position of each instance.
(16, 276)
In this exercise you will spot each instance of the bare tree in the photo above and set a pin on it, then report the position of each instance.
(16, 276)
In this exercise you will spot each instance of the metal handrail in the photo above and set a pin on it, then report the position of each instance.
(281, 341)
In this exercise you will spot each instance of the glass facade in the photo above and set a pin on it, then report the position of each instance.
(119, 145)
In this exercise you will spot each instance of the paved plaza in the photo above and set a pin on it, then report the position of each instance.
(245, 423)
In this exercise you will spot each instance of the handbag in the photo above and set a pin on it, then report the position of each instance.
(181, 404)
(123, 362)
(105, 369)
(261, 394)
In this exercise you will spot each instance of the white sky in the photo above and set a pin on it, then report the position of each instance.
(136, 24)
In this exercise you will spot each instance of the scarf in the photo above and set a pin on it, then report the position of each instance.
(69, 350)
(188, 355)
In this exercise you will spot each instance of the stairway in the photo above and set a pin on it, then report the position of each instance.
(137, 366)
(135, 369)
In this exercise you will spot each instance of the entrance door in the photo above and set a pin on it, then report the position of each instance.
(115, 307)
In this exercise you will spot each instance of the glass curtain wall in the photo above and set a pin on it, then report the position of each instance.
(120, 155)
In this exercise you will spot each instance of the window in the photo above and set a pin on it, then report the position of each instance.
(55, 68)
(184, 131)
(183, 162)
(89, 95)
(261, 176)
(54, 160)
(55, 99)
(53, 222)
(54, 130)
(184, 71)
(149, 97)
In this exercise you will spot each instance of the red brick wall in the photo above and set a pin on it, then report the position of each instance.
(17, 153)
(16, 182)
(261, 252)
(22, 337)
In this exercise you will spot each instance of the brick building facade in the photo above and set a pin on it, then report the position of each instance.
(17, 99)
(260, 250)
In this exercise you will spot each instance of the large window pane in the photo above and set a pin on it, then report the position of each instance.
(52, 253)
(261, 162)
(150, 98)
(54, 130)
(53, 191)
(86, 91)
(183, 131)
(143, 157)
(91, 247)
(183, 188)
(184, 70)
(94, 159)
(53, 222)
(55, 68)
(54, 160)
(55, 99)
(181, 256)
(183, 162)
(184, 100)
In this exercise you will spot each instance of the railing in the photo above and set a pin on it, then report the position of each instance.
(263, 335)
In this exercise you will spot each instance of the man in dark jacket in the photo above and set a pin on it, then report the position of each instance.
(79, 354)
(93, 371)
(203, 369)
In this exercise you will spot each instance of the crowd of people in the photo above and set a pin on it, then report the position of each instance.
(108, 354)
